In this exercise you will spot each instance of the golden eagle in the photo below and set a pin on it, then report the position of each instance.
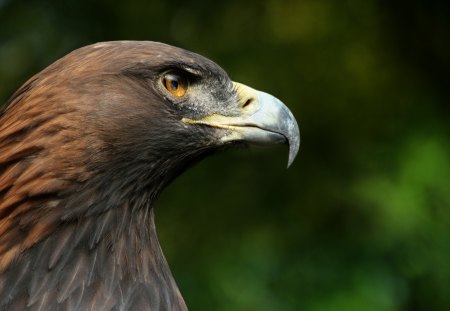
(87, 145)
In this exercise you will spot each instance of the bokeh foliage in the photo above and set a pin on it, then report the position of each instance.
(361, 221)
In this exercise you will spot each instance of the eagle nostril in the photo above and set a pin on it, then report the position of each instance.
(247, 102)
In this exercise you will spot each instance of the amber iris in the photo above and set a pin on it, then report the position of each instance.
(175, 83)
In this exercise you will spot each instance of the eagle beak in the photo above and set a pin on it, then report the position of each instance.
(264, 120)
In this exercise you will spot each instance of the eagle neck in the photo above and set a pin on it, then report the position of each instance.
(107, 261)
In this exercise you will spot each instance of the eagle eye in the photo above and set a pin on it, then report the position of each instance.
(176, 83)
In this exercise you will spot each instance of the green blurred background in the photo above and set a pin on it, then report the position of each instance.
(361, 221)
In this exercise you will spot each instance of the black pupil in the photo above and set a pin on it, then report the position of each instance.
(174, 84)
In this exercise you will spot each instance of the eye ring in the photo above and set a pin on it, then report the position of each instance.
(176, 83)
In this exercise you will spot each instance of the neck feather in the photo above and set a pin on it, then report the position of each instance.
(109, 258)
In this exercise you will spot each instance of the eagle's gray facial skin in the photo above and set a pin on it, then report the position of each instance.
(86, 147)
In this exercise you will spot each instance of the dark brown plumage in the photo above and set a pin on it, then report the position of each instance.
(86, 146)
